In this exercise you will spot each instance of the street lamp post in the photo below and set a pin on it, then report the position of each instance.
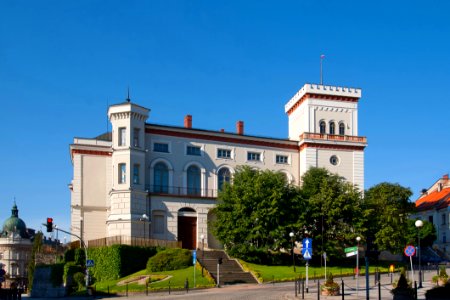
(291, 234)
(357, 264)
(419, 225)
(203, 250)
(144, 219)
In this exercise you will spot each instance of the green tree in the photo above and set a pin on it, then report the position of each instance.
(427, 234)
(257, 211)
(37, 248)
(389, 207)
(334, 212)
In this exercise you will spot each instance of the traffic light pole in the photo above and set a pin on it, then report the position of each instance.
(85, 250)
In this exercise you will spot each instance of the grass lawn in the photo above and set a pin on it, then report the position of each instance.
(176, 279)
(286, 273)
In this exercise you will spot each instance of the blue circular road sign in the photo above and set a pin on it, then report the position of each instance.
(410, 250)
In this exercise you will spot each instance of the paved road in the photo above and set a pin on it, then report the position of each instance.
(284, 291)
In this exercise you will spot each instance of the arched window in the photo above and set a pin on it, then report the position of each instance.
(193, 180)
(224, 176)
(322, 126)
(342, 129)
(332, 128)
(161, 178)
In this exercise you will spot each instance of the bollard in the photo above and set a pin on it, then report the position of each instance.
(379, 290)
(303, 289)
(295, 287)
(415, 290)
(169, 287)
(342, 283)
(186, 285)
(318, 289)
(392, 276)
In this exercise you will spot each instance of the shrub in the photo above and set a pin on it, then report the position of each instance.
(170, 259)
(57, 273)
(69, 255)
(79, 280)
(117, 261)
(80, 257)
(70, 269)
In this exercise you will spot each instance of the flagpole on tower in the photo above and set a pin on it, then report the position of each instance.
(321, 73)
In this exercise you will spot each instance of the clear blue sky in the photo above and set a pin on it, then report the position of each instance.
(61, 62)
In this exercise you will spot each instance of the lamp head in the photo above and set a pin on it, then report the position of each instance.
(358, 238)
(418, 223)
(202, 236)
(291, 234)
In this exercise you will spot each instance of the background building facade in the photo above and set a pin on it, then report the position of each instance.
(434, 206)
(161, 182)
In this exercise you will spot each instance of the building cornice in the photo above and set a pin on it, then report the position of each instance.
(222, 137)
(331, 146)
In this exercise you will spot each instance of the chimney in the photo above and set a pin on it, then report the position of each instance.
(222, 130)
(240, 127)
(188, 121)
(445, 177)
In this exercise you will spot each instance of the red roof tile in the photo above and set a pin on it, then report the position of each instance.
(434, 200)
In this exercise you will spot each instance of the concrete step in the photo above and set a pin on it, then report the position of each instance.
(230, 271)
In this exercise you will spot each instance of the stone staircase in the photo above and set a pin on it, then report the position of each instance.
(230, 271)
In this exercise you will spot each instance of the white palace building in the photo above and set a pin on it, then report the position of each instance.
(161, 182)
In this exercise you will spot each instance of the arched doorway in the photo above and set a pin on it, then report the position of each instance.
(187, 227)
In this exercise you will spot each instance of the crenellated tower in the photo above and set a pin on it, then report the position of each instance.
(324, 121)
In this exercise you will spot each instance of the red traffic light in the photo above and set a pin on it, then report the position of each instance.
(49, 224)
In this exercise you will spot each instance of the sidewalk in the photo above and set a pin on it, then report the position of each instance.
(285, 290)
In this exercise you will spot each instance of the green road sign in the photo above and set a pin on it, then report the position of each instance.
(351, 249)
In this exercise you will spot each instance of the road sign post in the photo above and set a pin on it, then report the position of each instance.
(194, 260)
(307, 254)
(410, 251)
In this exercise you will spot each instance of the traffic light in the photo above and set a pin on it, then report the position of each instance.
(49, 224)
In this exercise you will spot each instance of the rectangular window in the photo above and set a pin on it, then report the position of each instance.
(136, 174)
(161, 147)
(430, 219)
(193, 150)
(158, 221)
(122, 136)
(281, 159)
(443, 219)
(253, 156)
(224, 153)
(136, 133)
(122, 173)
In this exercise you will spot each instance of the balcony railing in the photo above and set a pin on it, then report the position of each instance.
(165, 190)
(333, 137)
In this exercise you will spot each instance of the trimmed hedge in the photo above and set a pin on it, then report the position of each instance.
(170, 259)
(117, 261)
(57, 274)
(70, 268)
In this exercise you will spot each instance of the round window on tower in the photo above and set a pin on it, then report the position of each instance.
(334, 160)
